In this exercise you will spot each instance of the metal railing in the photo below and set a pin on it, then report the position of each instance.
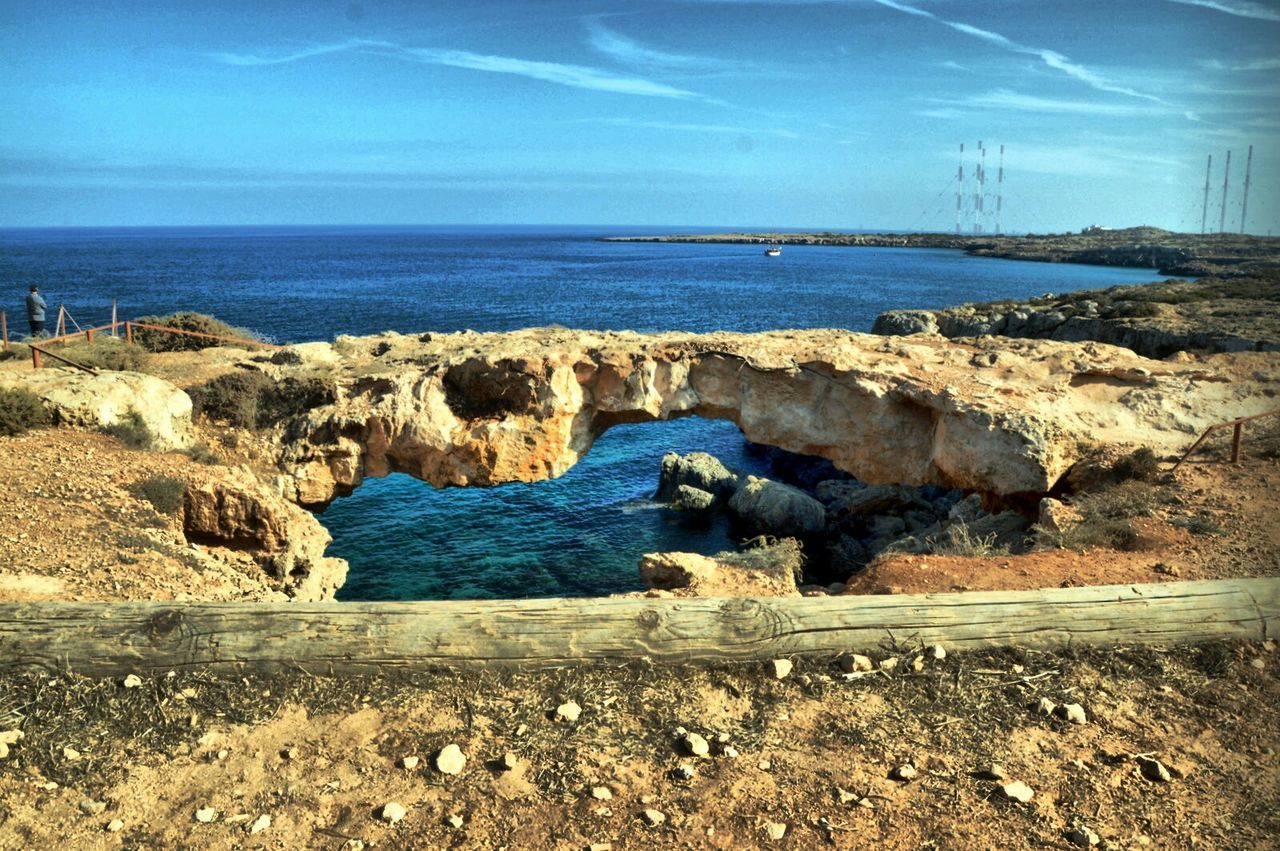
(1237, 437)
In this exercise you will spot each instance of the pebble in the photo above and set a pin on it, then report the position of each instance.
(115, 826)
(600, 846)
(653, 818)
(509, 761)
(889, 664)
(855, 663)
(91, 807)
(289, 753)
(260, 824)
(568, 712)
(450, 760)
(455, 821)
(1083, 836)
(1072, 712)
(409, 762)
(994, 771)
(938, 652)
(1017, 791)
(775, 830)
(917, 664)
(780, 668)
(132, 681)
(730, 751)
(602, 793)
(1258, 663)
(391, 812)
(683, 771)
(906, 771)
(70, 754)
(696, 744)
(204, 815)
(1154, 770)
(1044, 706)
(764, 765)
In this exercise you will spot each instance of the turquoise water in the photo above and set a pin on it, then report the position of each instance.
(581, 534)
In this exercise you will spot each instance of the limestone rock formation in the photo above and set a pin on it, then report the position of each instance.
(768, 571)
(1154, 320)
(79, 398)
(233, 508)
(998, 416)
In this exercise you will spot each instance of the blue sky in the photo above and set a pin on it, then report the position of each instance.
(788, 114)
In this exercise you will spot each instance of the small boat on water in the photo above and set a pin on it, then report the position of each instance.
(773, 251)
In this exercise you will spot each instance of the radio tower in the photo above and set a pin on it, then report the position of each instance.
(982, 187)
(1226, 179)
(999, 190)
(1244, 207)
(1204, 213)
(959, 188)
(977, 178)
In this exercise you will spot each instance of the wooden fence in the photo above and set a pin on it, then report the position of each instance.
(118, 638)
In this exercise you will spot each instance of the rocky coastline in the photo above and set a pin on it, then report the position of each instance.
(1140, 247)
(1239, 313)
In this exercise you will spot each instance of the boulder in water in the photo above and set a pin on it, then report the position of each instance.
(773, 508)
(696, 470)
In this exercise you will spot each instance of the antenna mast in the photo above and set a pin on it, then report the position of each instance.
(982, 187)
(1204, 212)
(1226, 179)
(1000, 189)
(959, 188)
(1244, 207)
(977, 175)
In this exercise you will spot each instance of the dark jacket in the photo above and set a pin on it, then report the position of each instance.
(35, 307)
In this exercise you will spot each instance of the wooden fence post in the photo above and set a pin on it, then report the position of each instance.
(128, 332)
(4, 328)
(1236, 437)
(35, 358)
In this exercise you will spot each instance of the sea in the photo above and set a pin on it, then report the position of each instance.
(581, 534)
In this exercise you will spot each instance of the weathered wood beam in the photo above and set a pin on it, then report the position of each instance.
(115, 638)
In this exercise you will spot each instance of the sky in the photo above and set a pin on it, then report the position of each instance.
(776, 113)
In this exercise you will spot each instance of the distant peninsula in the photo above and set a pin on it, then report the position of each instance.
(1143, 247)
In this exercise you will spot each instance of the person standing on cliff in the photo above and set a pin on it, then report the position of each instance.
(35, 311)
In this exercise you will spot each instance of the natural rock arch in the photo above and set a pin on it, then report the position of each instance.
(1001, 416)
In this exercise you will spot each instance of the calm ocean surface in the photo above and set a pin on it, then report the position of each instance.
(583, 533)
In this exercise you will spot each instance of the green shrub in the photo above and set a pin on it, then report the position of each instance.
(232, 398)
(1141, 464)
(252, 400)
(106, 353)
(1113, 534)
(21, 410)
(165, 493)
(201, 453)
(160, 341)
(959, 541)
(131, 431)
(1120, 502)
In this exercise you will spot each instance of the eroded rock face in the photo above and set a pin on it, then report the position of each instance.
(999, 416)
(768, 571)
(78, 398)
(233, 508)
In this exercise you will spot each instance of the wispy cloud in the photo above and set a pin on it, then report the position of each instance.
(1269, 64)
(574, 76)
(1240, 8)
(1051, 58)
(631, 52)
(247, 59)
(1009, 100)
(777, 133)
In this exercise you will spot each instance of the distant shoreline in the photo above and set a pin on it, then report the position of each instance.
(1143, 247)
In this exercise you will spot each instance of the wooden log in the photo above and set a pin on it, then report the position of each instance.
(117, 638)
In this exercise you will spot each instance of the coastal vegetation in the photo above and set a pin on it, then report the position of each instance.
(158, 341)
(21, 410)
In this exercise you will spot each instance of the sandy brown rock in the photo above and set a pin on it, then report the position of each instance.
(998, 416)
